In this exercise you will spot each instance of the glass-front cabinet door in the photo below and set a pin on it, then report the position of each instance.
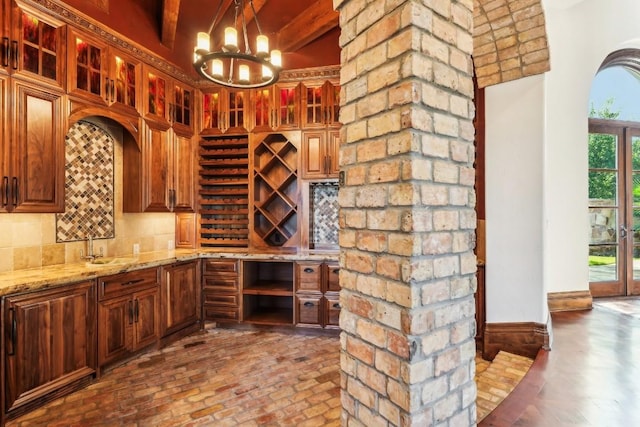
(32, 46)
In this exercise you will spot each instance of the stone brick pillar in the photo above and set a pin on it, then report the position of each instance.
(407, 213)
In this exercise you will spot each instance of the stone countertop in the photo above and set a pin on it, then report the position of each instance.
(33, 279)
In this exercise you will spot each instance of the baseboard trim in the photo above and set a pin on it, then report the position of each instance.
(569, 301)
(522, 338)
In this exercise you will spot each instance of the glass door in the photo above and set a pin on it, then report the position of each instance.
(614, 208)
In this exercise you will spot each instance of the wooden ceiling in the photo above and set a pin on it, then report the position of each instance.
(306, 31)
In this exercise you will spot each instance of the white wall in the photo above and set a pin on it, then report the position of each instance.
(536, 161)
(581, 35)
(514, 148)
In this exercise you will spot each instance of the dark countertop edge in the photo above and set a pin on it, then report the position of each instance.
(37, 279)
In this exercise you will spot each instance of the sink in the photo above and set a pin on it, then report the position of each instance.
(109, 262)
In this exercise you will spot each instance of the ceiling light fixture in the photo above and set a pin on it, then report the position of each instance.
(231, 67)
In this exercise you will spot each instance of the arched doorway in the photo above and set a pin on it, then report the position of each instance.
(614, 176)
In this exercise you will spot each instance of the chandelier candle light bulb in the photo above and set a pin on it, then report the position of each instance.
(262, 46)
(231, 39)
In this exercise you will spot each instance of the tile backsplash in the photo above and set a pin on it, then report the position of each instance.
(29, 240)
(324, 214)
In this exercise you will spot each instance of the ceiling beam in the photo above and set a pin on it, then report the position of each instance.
(170, 11)
(248, 14)
(315, 21)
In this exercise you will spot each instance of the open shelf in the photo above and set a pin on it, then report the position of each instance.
(268, 292)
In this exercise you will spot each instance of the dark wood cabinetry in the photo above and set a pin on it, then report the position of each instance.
(102, 74)
(33, 179)
(224, 111)
(128, 314)
(180, 306)
(317, 294)
(320, 104)
(221, 290)
(33, 45)
(49, 344)
(276, 108)
(320, 154)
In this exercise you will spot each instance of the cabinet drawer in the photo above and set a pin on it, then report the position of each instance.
(125, 283)
(333, 308)
(309, 309)
(224, 283)
(308, 276)
(211, 266)
(221, 299)
(221, 313)
(333, 276)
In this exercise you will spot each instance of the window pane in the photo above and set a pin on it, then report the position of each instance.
(602, 151)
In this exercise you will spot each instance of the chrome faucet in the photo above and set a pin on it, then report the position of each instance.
(90, 255)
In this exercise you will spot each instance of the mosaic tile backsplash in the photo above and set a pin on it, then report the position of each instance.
(89, 185)
(324, 214)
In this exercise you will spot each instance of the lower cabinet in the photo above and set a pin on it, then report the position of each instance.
(180, 298)
(49, 344)
(317, 294)
(128, 314)
(220, 290)
(267, 292)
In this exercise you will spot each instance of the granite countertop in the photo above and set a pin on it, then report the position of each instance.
(32, 279)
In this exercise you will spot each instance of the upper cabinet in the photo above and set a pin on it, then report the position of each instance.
(168, 100)
(276, 107)
(32, 45)
(102, 74)
(320, 154)
(320, 104)
(224, 111)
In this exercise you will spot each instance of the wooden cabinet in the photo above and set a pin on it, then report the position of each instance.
(102, 74)
(320, 104)
(33, 45)
(33, 173)
(320, 154)
(275, 191)
(221, 290)
(128, 314)
(276, 107)
(180, 297)
(224, 111)
(317, 294)
(267, 292)
(49, 344)
(161, 173)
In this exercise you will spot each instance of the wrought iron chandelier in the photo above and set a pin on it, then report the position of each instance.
(232, 67)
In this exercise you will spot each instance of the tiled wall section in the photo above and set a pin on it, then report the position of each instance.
(88, 185)
(29, 240)
(324, 214)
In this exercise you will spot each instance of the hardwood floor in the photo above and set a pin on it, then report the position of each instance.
(591, 377)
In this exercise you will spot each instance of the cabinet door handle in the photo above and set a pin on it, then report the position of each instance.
(335, 271)
(14, 54)
(6, 51)
(308, 304)
(15, 191)
(130, 312)
(336, 305)
(137, 311)
(132, 282)
(5, 191)
(308, 270)
(14, 332)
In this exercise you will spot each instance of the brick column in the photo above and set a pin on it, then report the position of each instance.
(406, 213)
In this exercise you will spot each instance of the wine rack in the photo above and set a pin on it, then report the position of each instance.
(224, 191)
(275, 190)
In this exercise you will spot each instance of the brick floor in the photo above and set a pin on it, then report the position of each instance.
(227, 377)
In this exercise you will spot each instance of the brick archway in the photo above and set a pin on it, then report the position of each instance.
(509, 40)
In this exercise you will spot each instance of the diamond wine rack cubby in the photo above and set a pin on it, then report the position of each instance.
(224, 191)
(275, 191)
